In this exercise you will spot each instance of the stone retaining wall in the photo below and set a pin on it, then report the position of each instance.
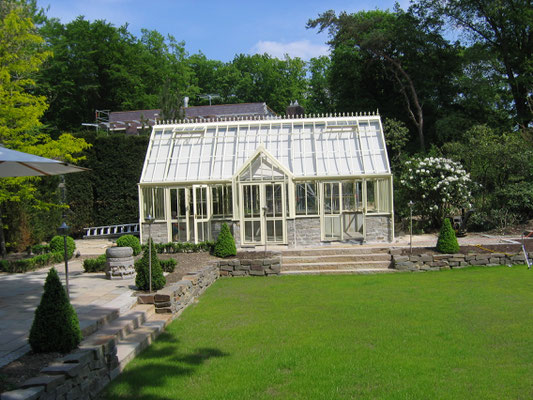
(174, 298)
(426, 262)
(82, 374)
(255, 267)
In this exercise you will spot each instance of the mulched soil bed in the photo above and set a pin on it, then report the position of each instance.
(187, 262)
(508, 248)
(16, 372)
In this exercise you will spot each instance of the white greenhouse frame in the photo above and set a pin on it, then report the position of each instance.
(198, 174)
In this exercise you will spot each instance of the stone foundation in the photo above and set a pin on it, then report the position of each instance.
(303, 231)
(378, 228)
(159, 233)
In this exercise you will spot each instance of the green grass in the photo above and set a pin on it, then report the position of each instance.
(460, 334)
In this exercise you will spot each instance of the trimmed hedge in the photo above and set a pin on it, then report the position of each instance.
(142, 279)
(40, 249)
(447, 242)
(225, 245)
(182, 247)
(31, 264)
(130, 241)
(95, 264)
(168, 265)
(55, 326)
(57, 245)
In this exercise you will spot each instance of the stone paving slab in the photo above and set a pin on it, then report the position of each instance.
(96, 300)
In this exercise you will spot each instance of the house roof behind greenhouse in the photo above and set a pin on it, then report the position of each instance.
(190, 151)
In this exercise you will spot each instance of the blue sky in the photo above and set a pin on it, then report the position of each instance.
(220, 29)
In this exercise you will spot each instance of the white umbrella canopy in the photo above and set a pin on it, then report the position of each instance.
(15, 163)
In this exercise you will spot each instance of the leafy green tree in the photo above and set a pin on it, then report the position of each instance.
(319, 99)
(22, 53)
(55, 325)
(502, 27)
(405, 48)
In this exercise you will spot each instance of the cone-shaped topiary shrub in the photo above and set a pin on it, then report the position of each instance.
(57, 245)
(142, 280)
(55, 325)
(447, 242)
(225, 245)
(130, 241)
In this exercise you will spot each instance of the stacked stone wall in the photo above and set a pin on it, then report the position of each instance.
(82, 374)
(378, 228)
(304, 231)
(174, 298)
(427, 262)
(267, 266)
(159, 232)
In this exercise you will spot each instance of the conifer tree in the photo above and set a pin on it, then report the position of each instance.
(225, 245)
(55, 325)
(447, 242)
(142, 279)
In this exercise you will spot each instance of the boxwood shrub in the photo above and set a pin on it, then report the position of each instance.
(57, 245)
(168, 265)
(130, 241)
(95, 264)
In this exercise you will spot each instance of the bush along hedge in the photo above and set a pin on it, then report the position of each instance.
(130, 241)
(57, 245)
(55, 325)
(40, 249)
(225, 244)
(142, 279)
(183, 247)
(447, 242)
(95, 264)
(31, 264)
(168, 265)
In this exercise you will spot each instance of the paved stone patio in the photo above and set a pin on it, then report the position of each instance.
(94, 297)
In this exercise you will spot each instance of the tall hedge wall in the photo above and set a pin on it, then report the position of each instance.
(107, 194)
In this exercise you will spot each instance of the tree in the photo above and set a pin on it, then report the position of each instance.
(142, 267)
(22, 53)
(447, 242)
(502, 27)
(225, 244)
(406, 48)
(319, 99)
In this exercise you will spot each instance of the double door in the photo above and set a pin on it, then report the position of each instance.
(190, 209)
(263, 213)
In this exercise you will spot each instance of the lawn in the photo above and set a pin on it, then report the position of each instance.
(460, 334)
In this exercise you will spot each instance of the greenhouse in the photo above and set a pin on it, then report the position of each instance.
(292, 181)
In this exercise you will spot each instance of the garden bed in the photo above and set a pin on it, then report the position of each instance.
(508, 248)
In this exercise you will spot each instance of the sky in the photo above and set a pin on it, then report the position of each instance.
(221, 29)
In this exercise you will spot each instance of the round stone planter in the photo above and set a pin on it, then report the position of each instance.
(119, 263)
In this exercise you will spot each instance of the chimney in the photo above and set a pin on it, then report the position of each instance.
(185, 102)
(295, 109)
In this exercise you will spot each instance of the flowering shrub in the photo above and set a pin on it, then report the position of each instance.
(437, 186)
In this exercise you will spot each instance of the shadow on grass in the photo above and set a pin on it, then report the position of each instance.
(160, 366)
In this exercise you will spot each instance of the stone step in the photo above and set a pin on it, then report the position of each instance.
(128, 322)
(330, 251)
(336, 266)
(336, 258)
(138, 340)
(347, 271)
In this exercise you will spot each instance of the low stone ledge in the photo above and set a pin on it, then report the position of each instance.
(429, 262)
(268, 265)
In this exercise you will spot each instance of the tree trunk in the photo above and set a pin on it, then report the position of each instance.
(3, 250)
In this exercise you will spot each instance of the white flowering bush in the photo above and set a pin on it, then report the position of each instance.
(437, 186)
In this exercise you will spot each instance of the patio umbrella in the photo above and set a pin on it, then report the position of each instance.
(15, 163)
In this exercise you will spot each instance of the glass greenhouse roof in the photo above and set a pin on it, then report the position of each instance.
(307, 147)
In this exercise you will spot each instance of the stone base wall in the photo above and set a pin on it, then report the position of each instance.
(159, 233)
(303, 231)
(81, 374)
(174, 298)
(254, 267)
(378, 228)
(429, 262)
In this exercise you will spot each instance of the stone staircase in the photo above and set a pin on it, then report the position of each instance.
(132, 332)
(336, 260)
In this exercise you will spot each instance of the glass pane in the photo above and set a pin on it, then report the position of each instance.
(271, 235)
(279, 230)
(248, 231)
(174, 203)
(269, 200)
(182, 203)
(348, 198)
(278, 201)
(370, 195)
(257, 231)
(312, 201)
(300, 199)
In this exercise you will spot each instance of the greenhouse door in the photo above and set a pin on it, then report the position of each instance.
(331, 216)
(201, 213)
(263, 213)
